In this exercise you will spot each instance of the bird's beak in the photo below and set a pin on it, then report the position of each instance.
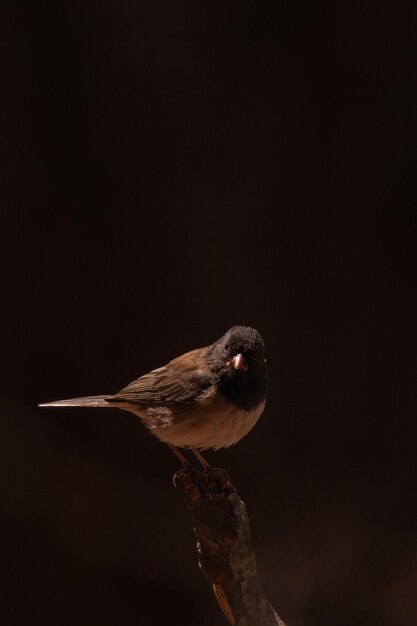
(239, 363)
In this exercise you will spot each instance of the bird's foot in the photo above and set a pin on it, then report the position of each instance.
(181, 475)
(208, 483)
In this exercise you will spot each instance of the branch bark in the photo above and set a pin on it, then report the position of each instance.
(225, 548)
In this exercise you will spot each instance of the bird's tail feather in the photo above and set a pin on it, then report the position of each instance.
(86, 401)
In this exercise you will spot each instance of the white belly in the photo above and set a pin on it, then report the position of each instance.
(217, 429)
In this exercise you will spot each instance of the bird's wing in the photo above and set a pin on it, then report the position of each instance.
(179, 382)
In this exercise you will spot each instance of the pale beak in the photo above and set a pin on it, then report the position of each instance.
(239, 363)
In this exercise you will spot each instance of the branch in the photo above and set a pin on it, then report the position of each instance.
(225, 549)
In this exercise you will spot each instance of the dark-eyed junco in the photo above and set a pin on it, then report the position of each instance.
(207, 398)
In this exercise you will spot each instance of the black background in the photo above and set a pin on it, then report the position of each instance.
(170, 169)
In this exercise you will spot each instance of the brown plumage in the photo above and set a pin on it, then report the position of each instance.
(207, 398)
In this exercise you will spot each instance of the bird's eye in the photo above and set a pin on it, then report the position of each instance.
(226, 347)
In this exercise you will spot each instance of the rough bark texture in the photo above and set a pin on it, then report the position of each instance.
(225, 549)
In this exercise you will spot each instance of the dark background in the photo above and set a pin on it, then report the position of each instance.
(169, 169)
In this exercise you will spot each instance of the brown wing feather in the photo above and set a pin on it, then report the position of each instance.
(181, 381)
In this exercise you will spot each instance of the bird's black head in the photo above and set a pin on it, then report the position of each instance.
(238, 359)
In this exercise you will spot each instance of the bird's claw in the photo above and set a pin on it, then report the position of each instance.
(180, 475)
(208, 482)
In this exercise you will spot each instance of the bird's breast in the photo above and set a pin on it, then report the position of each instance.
(204, 427)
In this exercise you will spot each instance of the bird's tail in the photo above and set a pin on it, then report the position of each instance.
(86, 401)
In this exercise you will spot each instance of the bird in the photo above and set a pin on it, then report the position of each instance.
(207, 398)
